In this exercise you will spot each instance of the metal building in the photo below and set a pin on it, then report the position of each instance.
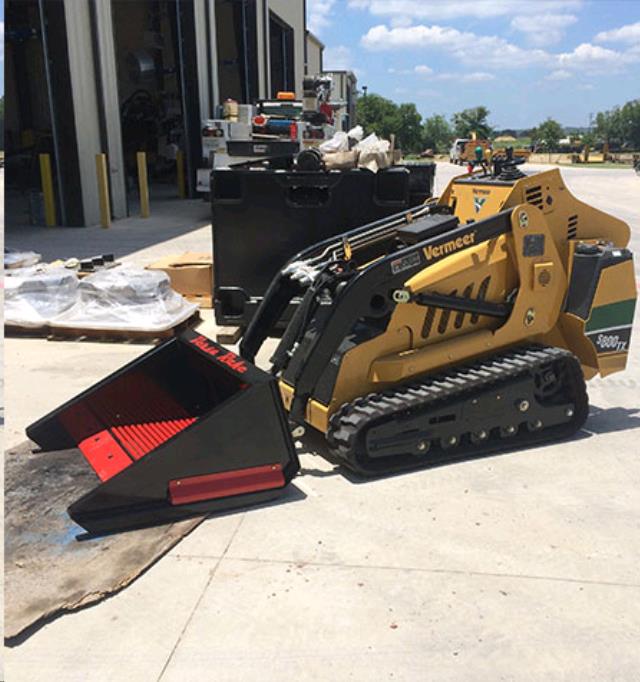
(121, 76)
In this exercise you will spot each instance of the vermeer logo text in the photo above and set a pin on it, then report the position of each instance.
(452, 246)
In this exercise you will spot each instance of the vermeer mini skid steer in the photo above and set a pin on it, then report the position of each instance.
(462, 327)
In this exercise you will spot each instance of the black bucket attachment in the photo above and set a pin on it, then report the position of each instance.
(187, 428)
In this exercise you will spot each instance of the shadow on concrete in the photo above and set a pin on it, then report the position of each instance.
(612, 419)
(322, 473)
(169, 219)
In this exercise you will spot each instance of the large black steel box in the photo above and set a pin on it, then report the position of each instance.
(263, 217)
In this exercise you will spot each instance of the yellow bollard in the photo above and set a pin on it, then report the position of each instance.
(47, 190)
(143, 184)
(103, 190)
(182, 188)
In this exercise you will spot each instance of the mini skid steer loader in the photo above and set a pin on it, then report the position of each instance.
(463, 327)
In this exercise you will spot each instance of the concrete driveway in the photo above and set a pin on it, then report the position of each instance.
(516, 567)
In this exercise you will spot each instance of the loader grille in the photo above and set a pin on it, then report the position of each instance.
(460, 314)
(572, 227)
(482, 293)
(428, 322)
(533, 195)
(444, 317)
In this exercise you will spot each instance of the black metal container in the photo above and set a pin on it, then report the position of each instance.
(263, 217)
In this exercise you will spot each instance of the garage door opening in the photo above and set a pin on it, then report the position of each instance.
(28, 129)
(149, 60)
(280, 55)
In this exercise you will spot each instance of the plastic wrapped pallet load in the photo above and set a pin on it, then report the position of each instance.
(127, 298)
(119, 299)
(20, 259)
(34, 296)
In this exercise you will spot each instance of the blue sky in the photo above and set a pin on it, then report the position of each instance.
(525, 60)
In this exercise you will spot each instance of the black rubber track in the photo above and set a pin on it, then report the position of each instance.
(549, 379)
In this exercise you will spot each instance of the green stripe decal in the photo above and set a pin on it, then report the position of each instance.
(611, 315)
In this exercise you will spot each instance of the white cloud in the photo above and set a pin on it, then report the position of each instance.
(593, 59)
(318, 14)
(382, 38)
(625, 34)
(477, 77)
(424, 70)
(558, 75)
(421, 69)
(494, 52)
(542, 21)
(1, 42)
(473, 77)
(337, 58)
(435, 10)
(543, 29)
(491, 51)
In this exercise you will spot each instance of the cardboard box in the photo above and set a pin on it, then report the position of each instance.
(191, 275)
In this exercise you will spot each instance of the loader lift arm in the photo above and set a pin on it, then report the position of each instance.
(368, 292)
(284, 288)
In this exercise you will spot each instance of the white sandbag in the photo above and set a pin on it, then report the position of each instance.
(128, 299)
(35, 295)
(356, 133)
(338, 143)
(374, 153)
(373, 143)
(341, 160)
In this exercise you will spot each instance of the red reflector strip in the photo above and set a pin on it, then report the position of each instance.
(104, 454)
(225, 484)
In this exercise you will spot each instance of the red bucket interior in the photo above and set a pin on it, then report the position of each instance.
(135, 412)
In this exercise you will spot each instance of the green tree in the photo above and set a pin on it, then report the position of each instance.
(377, 115)
(472, 120)
(437, 133)
(383, 117)
(408, 129)
(609, 127)
(548, 134)
(630, 124)
(620, 126)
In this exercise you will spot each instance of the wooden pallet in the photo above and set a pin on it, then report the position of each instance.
(105, 335)
(229, 336)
